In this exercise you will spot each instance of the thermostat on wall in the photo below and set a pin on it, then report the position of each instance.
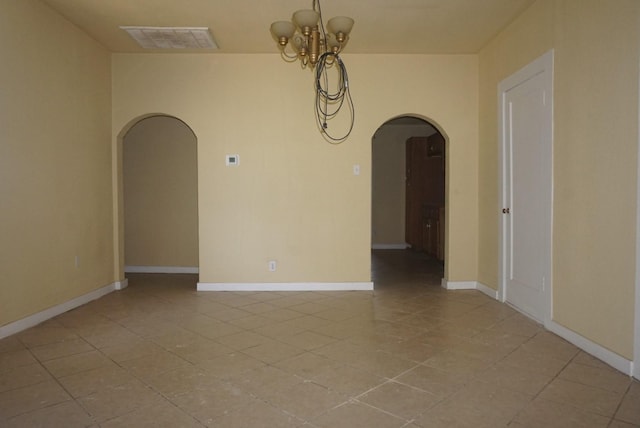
(233, 160)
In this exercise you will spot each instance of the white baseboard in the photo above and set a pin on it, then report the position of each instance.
(161, 269)
(39, 317)
(389, 246)
(286, 286)
(603, 354)
(470, 285)
(121, 285)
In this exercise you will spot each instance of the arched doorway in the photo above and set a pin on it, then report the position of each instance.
(160, 196)
(408, 187)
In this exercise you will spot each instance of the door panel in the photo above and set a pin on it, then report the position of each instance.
(526, 218)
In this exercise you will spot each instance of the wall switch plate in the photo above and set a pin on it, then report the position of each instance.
(356, 169)
(232, 160)
(273, 265)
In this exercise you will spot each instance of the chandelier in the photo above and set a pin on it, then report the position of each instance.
(319, 50)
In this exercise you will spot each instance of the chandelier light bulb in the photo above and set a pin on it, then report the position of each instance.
(282, 31)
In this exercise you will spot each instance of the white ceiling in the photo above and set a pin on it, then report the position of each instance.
(242, 26)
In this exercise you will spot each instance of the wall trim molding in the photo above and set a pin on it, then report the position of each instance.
(389, 246)
(42, 316)
(614, 360)
(285, 286)
(161, 269)
(470, 285)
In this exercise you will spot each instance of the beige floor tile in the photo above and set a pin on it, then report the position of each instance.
(18, 358)
(67, 414)
(544, 413)
(91, 381)
(308, 340)
(475, 405)
(344, 350)
(458, 363)
(265, 382)
(206, 405)
(150, 365)
(130, 351)
(519, 325)
(481, 351)
(336, 314)
(181, 380)
(307, 365)
(305, 307)
(18, 377)
(11, 343)
(438, 382)
(77, 363)
(448, 415)
(202, 350)
(154, 416)
(514, 378)
(347, 380)
(586, 397)
(104, 337)
(161, 354)
(30, 398)
(629, 410)
(605, 378)
(382, 364)
(354, 415)
(621, 424)
(283, 314)
(44, 334)
(501, 339)
(307, 400)
(492, 398)
(257, 413)
(305, 322)
(175, 339)
(114, 401)
(399, 399)
(272, 352)
(549, 345)
(528, 361)
(230, 314)
(61, 349)
(217, 329)
(252, 321)
(230, 365)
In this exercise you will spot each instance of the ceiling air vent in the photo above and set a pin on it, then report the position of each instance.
(172, 37)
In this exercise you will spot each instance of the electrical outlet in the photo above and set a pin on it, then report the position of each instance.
(273, 265)
(77, 261)
(356, 169)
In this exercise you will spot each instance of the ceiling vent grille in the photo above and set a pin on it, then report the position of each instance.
(172, 37)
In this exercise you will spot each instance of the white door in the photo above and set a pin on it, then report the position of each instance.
(526, 113)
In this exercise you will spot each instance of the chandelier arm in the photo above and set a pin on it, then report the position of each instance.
(288, 58)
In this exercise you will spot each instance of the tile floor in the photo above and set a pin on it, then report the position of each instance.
(409, 354)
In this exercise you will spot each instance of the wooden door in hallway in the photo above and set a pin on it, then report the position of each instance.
(526, 111)
(425, 184)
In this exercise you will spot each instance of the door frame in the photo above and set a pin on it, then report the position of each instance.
(635, 371)
(541, 66)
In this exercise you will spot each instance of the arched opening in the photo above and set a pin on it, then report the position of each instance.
(408, 196)
(158, 215)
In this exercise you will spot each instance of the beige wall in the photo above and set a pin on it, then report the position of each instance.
(160, 194)
(55, 161)
(294, 197)
(597, 47)
(388, 181)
